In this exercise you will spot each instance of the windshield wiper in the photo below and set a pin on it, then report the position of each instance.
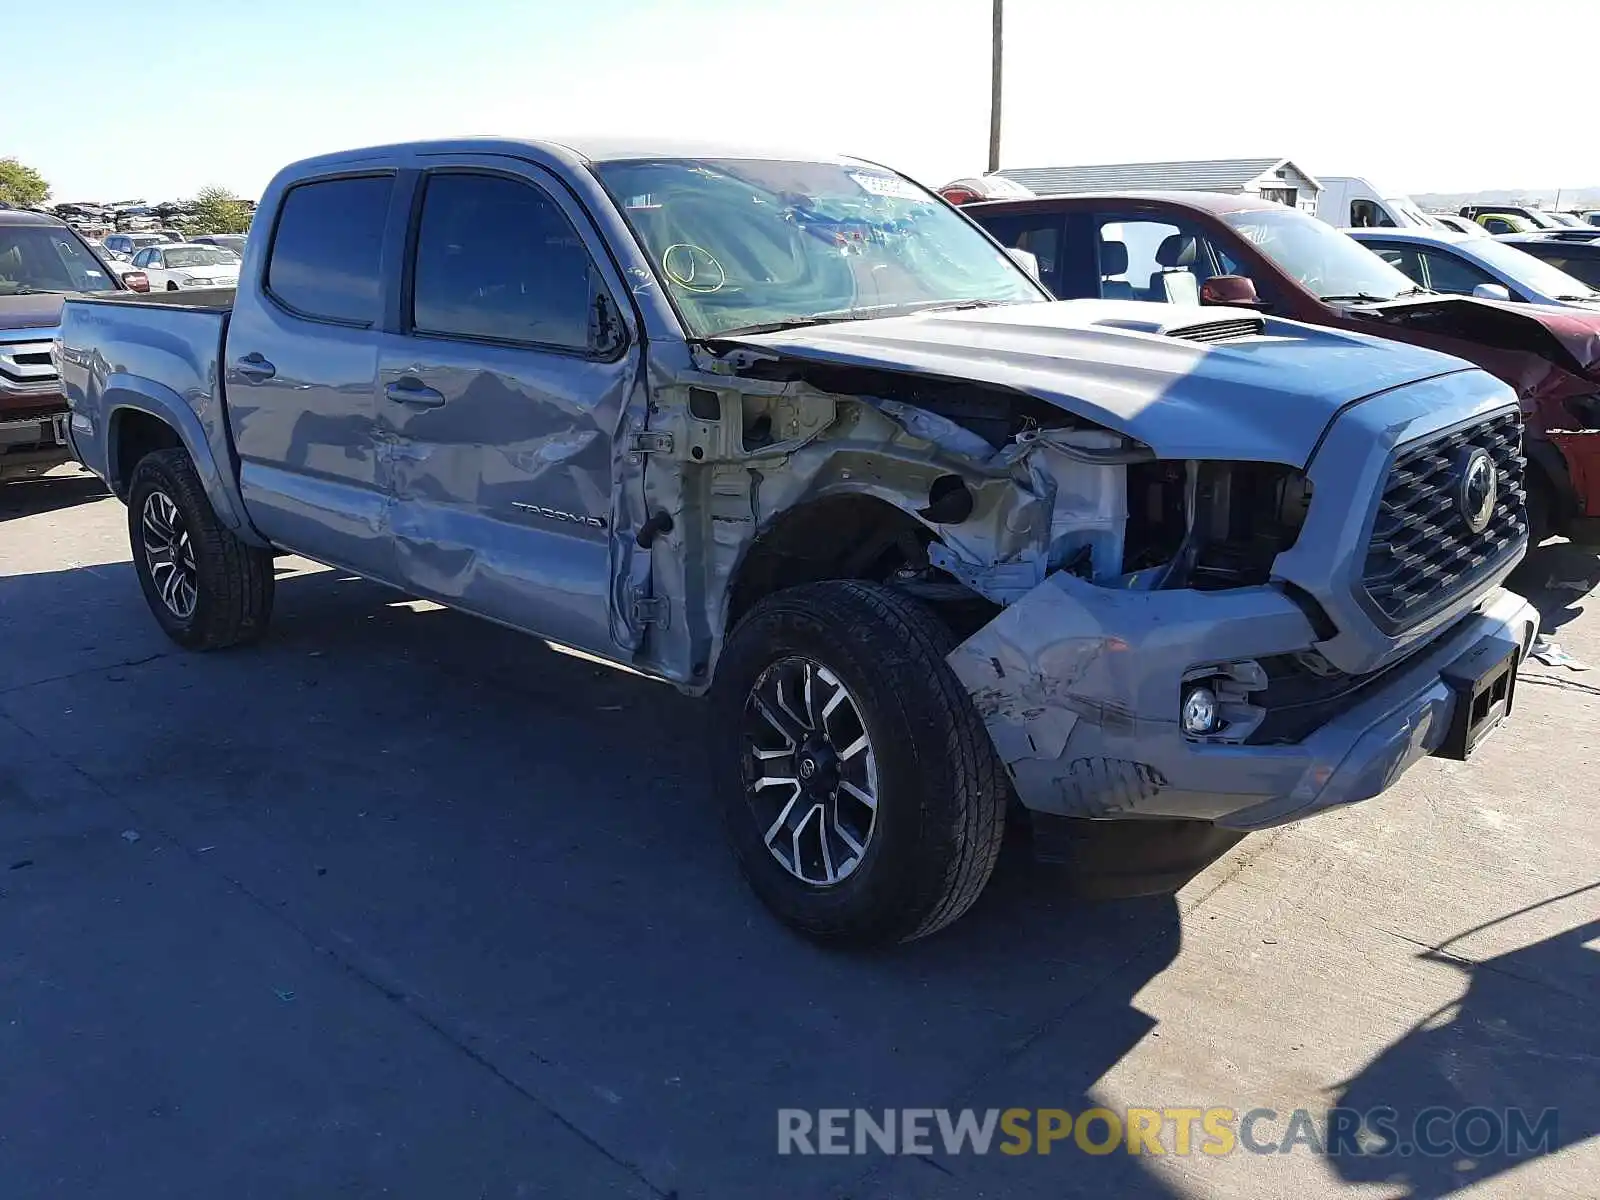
(864, 313)
(1591, 296)
(1363, 297)
(1419, 290)
(785, 323)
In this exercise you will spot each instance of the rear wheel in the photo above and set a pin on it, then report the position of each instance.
(860, 792)
(206, 588)
(171, 287)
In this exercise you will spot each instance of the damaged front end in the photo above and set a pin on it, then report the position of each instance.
(1146, 633)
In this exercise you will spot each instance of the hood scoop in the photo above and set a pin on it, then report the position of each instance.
(1230, 330)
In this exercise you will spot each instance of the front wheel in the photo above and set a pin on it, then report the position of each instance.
(206, 588)
(860, 791)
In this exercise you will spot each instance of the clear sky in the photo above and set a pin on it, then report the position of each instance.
(115, 100)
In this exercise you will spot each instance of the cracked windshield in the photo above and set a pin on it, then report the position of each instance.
(744, 245)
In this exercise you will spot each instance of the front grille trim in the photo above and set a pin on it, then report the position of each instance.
(1421, 557)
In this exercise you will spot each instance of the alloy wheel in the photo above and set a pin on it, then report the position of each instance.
(811, 777)
(169, 555)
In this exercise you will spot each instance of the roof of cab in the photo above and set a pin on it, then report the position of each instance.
(1411, 233)
(24, 216)
(579, 149)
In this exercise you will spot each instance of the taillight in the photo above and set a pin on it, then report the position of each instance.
(137, 281)
(959, 195)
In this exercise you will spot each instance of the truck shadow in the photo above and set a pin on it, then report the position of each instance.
(48, 493)
(519, 846)
(1521, 1045)
(1557, 578)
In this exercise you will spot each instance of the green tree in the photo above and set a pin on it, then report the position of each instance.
(217, 210)
(20, 185)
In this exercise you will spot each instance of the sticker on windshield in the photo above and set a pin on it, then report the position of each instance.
(891, 186)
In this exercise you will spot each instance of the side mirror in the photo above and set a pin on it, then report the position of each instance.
(1028, 261)
(1238, 290)
(1491, 291)
(137, 281)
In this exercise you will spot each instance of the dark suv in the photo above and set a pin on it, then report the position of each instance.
(41, 261)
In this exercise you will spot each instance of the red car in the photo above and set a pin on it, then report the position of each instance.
(1240, 250)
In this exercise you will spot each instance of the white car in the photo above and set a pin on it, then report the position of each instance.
(126, 245)
(187, 265)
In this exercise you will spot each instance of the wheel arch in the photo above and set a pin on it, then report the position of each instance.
(842, 535)
(149, 417)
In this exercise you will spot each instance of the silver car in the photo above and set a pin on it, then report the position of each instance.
(1459, 265)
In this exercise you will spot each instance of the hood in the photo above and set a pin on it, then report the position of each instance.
(1568, 337)
(39, 311)
(1128, 366)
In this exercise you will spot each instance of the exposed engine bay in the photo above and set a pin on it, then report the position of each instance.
(1005, 489)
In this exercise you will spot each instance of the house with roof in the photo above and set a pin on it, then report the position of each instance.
(1270, 178)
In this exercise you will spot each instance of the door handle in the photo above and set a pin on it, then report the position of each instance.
(414, 393)
(255, 368)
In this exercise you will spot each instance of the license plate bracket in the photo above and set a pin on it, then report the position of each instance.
(1484, 680)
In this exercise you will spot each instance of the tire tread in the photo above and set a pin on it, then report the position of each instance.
(239, 605)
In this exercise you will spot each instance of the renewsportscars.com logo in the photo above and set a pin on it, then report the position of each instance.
(1432, 1132)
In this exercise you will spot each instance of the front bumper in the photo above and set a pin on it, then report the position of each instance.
(1079, 687)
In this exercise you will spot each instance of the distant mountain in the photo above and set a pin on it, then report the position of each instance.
(1585, 198)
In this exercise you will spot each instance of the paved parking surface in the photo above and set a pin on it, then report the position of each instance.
(403, 904)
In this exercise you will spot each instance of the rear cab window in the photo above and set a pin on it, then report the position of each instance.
(327, 249)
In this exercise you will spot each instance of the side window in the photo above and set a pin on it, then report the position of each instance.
(1369, 214)
(1498, 225)
(326, 250)
(1402, 258)
(142, 259)
(1447, 273)
(1037, 233)
(497, 259)
(1143, 258)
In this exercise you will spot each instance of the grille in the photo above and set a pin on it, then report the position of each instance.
(1220, 331)
(1423, 554)
(26, 367)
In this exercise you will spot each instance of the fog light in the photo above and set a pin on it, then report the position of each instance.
(1199, 711)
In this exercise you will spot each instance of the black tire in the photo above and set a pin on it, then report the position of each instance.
(232, 581)
(1541, 509)
(941, 805)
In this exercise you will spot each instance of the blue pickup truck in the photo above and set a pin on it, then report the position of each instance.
(797, 434)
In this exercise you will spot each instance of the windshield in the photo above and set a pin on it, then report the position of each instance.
(40, 258)
(1540, 221)
(1327, 263)
(200, 256)
(747, 244)
(227, 242)
(1530, 273)
(140, 240)
(1412, 213)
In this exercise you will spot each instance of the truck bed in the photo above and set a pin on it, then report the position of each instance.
(159, 353)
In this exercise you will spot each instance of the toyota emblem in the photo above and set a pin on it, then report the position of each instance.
(1480, 488)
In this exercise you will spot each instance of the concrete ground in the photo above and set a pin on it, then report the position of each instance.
(402, 904)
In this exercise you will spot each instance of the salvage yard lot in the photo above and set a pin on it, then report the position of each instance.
(399, 903)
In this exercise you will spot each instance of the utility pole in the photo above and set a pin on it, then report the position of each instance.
(994, 90)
